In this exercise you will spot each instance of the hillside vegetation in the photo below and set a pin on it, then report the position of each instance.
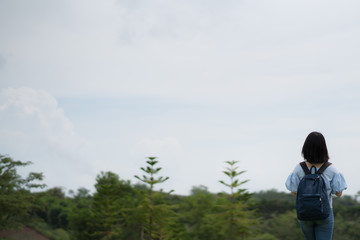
(124, 211)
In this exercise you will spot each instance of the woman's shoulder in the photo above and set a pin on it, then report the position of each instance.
(298, 169)
(332, 168)
(332, 172)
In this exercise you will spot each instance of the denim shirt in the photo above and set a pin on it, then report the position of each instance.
(334, 180)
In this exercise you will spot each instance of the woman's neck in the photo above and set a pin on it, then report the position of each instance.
(317, 165)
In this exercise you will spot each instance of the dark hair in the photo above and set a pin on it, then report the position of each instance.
(314, 149)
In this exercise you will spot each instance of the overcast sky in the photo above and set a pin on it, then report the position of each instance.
(90, 86)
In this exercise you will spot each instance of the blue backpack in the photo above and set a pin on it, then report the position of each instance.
(312, 201)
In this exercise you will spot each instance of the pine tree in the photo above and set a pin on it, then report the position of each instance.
(154, 211)
(235, 215)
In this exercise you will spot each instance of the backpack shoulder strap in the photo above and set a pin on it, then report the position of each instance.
(305, 168)
(323, 167)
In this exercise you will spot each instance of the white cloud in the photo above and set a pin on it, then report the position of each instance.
(33, 128)
(37, 112)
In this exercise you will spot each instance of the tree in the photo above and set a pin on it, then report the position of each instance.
(111, 198)
(194, 217)
(81, 217)
(15, 196)
(154, 212)
(235, 215)
(53, 207)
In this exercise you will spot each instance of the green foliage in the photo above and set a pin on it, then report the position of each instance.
(15, 196)
(49, 231)
(151, 171)
(283, 226)
(345, 229)
(112, 199)
(121, 211)
(53, 207)
(265, 236)
(152, 212)
(106, 206)
(232, 173)
(347, 216)
(273, 202)
(107, 214)
(193, 217)
(234, 216)
(80, 217)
